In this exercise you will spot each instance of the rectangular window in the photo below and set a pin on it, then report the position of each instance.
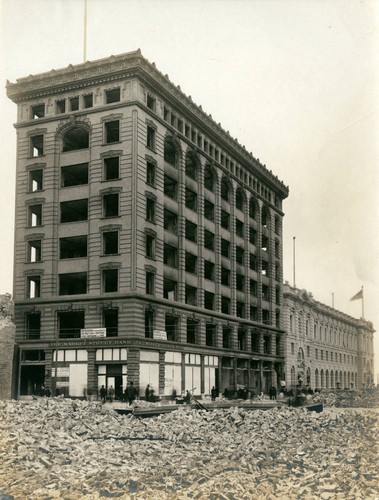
(74, 103)
(110, 322)
(169, 289)
(225, 219)
(150, 246)
(225, 248)
(150, 283)
(191, 295)
(225, 305)
(225, 276)
(61, 106)
(149, 323)
(34, 287)
(253, 313)
(150, 102)
(72, 283)
(150, 138)
(240, 309)
(73, 247)
(192, 331)
(209, 210)
(191, 200)
(170, 221)
(239, 228)
(265, 316)
(240, 282)
(191, 231)
(190, 263)
(33, 326)
(170, 255)
(253, 262)
(112, 131)
(253, 236)
(110, 280)
(35, 215)
(74, 175)
(110, 242)
(34, 251)
(170, 187)
(265, 268)
(308, 351)
(171, 327)
(70, 323)
(38, 111)
(209, 270)
(209, 298)
(239, 255)
(150, 173)
(150, 209)
(112, 168)
(36, 180)
(111, 205)
(265, 292)
(75, 210)
(322, 354)
(36, 145)
(88, 100)
(292, 348)
(112, 96)
(253, 288)
(209, 240)
(210, 334)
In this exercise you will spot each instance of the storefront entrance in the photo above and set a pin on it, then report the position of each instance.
(32, 380)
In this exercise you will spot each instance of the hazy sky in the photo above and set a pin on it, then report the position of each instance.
(296, 82)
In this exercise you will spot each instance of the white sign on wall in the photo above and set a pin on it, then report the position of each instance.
(87, 333)
(159, 335)
(62, 384)
(63, 371)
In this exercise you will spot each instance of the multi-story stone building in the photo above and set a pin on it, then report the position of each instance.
(325, 348)
(139, 218)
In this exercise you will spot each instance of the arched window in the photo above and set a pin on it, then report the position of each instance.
(239, 199)
(191, 164)
(252, 208)
(209, 178)
(300, 354)
(75, 138)
(170, 151)
(225, 189)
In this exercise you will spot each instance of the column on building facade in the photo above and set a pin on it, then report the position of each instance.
(161, 372)
(92, 371)
(181, 227)
(133, 366)
(218, 335)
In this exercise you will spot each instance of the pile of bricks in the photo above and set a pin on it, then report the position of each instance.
(59, 448)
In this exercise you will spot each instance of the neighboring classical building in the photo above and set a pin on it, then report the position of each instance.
(139, 218)
(325, 348)
(7, 335)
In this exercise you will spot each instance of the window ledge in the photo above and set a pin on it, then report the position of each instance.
(150, 149)
(113, 142)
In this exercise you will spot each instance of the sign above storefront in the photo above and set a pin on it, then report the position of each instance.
(159, 335)
(63, 371)
(62, 384)
(93, 333)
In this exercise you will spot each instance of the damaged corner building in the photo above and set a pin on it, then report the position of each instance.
(148, 240)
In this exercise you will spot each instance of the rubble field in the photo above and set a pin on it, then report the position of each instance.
(66, 449)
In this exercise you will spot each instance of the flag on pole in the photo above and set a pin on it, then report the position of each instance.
(358, 295)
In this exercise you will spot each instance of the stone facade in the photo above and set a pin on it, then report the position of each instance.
(7, 336)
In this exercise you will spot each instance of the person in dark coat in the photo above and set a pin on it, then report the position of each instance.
(272, 392)
(147, 392)
(103, 394)
(131, 392)
(213, 393)
(187, 397)
(111, 393)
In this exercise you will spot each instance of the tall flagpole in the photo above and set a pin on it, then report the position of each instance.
(294, 263)
(85, 31)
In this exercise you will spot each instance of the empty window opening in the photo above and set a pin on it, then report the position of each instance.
(88, 100)
(150, 173)
(34, 251)
(34, 287)
(224, 189)
(240, 309)
(112, 168)
(74, 175)
(240, 282)
(150, 277)
(110, 322)
(166, 114)
(170, 221)
(70, 323)
(266, 344)
(190, 263)
(110, 242)
(75, 210)
(241, 339)
(277, 248)
(192, 330)
(150, 209)
(170, 255)
(150, 102)
(239, 255)
(35, 215)
(264, 243)
(209, 298)
(180, 126)
(150, 246)
(209, 270)
(253, 236)
(252, 209)
(209, 240)
(209, 210)
(111, 205)
(112, 96)
(265, 268)
(265, 316)
(72, 283)
(73, 247)
(277, 225)
(33, 326)
(225, 248)
(254, 317)
(191, 165)
(149, 323)
(210, 334)
(225, 305)
(253, 288)
(225, 276)
(265, 292)
(253, 262)
(239, 199)
(265, 218)
(170, 151)
(171, 327)
(112, 131)
(169, 289)
(225, 219)
(239, 228)
(173, 120)
(36, 180)
(226, 337)
(75, 138)
(208, 178)
(36, 145)
(61, 106)
(74, 103)
(110, 280)
(190, 231)
(150, 138)
(38, 111)
(277, 272)
(187, 131)
(170, 187)
(191, 295)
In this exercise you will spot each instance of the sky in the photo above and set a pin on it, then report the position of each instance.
(296, 82)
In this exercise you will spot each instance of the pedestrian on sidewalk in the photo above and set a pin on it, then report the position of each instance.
(111, 393)
(103, 394)
(131, 392)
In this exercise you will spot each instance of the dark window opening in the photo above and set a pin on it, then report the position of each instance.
(226, 337)
(239, 228)
(239, 255)
(265, 316)
(73, 247)
(277, 248)
(208, 179)
(33, 326)
(61, 106)
(112, 168)
(171, 326)
(265, 243)
(241, 339)
(190, 263)
(169, 289)
(277, 272)
(253, 262)
(225, 276)
(192, 330)
(34, 287)
(240, 282)
(88, 100)
(209, 210)
(75, 138)
(74, 103)
(34, 251)
(253, 288)
(277, 322)
(239, 199)
(209, 240)
(277, 295)
(150, 173)
(150, 209)
(225, 248)
(36, 145)
(150, 102)
(110, 242)
(170, 187)
(33, 355)
(224, 189)
(225, 305)
(240, 309)
(266, 344)
(191, 295)
(70, 323)
(75, 210)
(210, 334)
(112, 131)
(72, 283)
(253, 236)
(111, 205)
(180, 126)
(74, 175)
(150, 246)
(253, 313)
(265, 268)
(36, 180)
(191, 165)
(170, 221)
(170, 255)
(209, 300)
(252, 209)
(110, 322)
(225, 219)
(149, 323)
(110, 280)
(277, 225)
(35, 215)
(150, 138)
(254, 342)
(191, 231)
(264, 218)
(265, 292)
(191, 200)
(113, 95)
(150, 277)
(38, 111)
(209, 268)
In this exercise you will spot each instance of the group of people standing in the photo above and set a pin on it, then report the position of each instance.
(129, 395)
